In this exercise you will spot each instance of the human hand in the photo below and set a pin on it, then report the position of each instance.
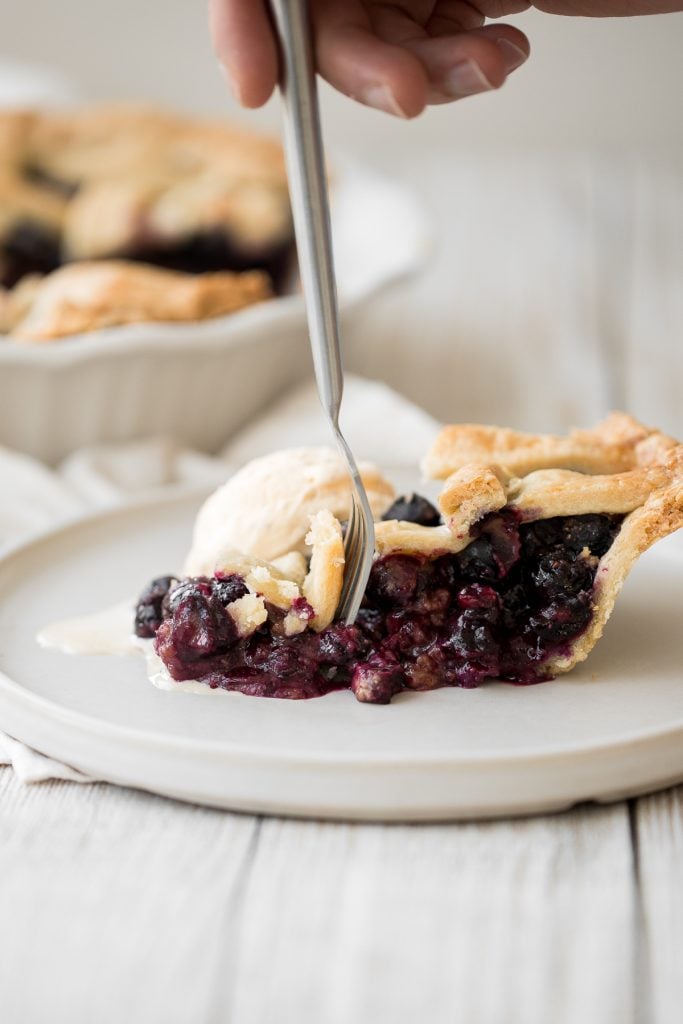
(398, 57)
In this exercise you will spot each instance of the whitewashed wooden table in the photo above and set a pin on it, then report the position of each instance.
(555, 296)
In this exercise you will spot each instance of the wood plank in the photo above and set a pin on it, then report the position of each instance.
(659, 831)
(528, 921)
(115, 905)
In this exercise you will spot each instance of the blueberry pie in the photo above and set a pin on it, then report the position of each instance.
(139, 185)
(513, 576)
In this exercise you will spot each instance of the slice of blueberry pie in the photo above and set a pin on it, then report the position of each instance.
(141, 186)
(513, 576)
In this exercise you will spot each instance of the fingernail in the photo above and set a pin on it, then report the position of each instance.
(465, 79)
(381, 98)
(231, 82)
(513, 55)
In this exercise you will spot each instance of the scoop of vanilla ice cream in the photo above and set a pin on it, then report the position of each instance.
(264, 509)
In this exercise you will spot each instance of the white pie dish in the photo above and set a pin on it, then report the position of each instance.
(198, 382)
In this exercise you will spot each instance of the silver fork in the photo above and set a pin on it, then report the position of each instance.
(308, 188)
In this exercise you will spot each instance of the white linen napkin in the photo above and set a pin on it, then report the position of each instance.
(379, 424)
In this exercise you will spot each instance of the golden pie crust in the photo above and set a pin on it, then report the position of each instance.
(82, 297)
(616, 444)
(140, 172)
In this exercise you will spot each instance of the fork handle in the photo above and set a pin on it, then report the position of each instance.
(308, 190)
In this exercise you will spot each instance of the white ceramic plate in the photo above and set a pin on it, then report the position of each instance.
(612, 728)
(188, 380)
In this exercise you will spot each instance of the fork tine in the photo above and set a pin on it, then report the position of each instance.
(352, 524)
(350, 554)
(355, 553)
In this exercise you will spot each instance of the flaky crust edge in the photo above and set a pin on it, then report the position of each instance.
(661, 515)
(80, 298)
(615, 445)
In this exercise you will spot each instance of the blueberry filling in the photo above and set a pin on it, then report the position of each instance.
(199, 639)
(152, 606)
(29, 249)
(216, 250)
(32, 248)
(519, 594)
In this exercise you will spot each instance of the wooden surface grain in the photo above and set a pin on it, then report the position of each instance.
(555, 295)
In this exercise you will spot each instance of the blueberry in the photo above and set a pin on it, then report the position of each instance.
(393, 580)
(200, 625)
(409, 633)
(540, 536)
(502, 530)
(29, 249)
(515, 607)
(478, 562)
(595, 532)
(149, 609)
(562, 620)
(185, 587)
(286, 658)
(472, 638)
(439, 573)
(340, 644)
(557, 575)
(229, 588)
(413, 508)
(370, 621)
(194, 627)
